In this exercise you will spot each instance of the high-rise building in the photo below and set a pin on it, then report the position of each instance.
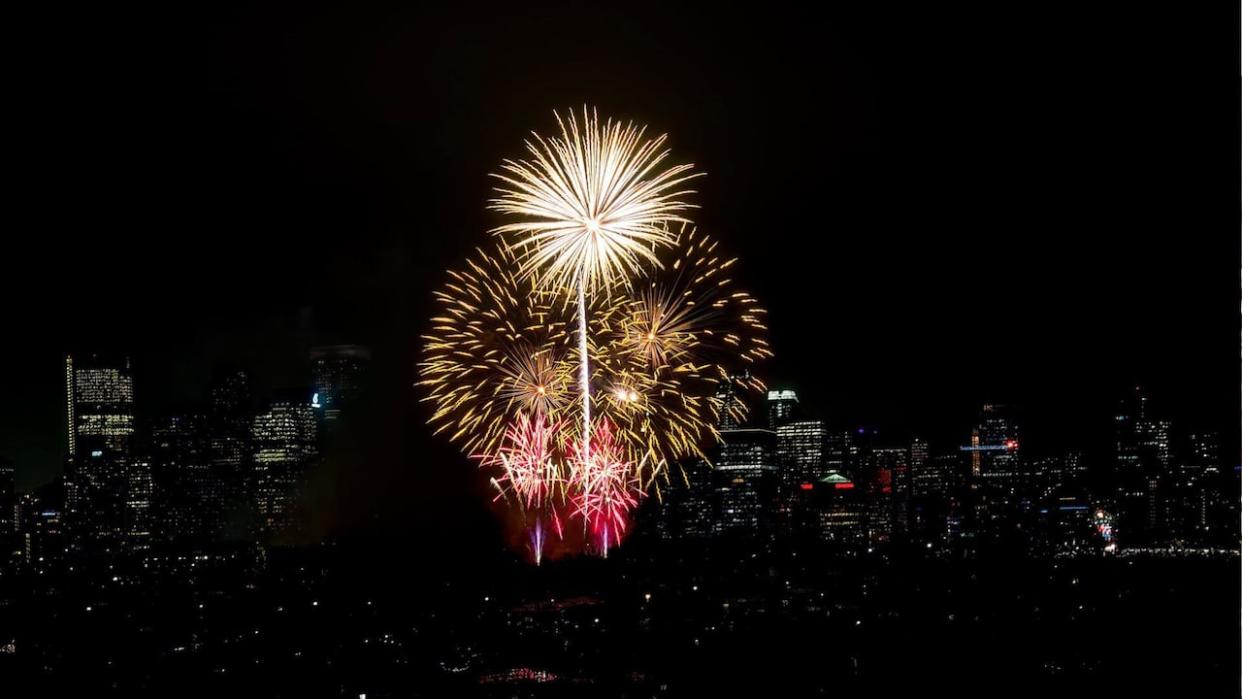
(839, 511)
(746, 481)
(107, 490)
(800, 458)
(888, 486)
(1143, 472)
(781, 407)
(999, 443)
(285, 438)
(100, 404)
(229, 449)
(800, 452)
(188, 503)
(39, 526)
(689, 505)
(338, 377)
(8, 509)
(840, 452)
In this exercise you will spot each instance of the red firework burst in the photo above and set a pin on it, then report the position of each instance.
(603, 486)
(525, 458)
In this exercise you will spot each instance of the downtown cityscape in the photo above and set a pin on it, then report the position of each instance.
(185, 538)
(391, 350)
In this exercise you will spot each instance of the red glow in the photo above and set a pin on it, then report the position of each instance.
(807, 486)
(1011, 445)
(844, 486)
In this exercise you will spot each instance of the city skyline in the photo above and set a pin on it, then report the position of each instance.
(947, 261)
(383, 350)
(301, 376)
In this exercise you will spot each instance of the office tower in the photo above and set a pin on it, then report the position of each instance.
(781, 407)
(731, 397)
(8, 510)
(188, 496)
(935, 481)
(41, 538)
(840, 511)
(920, 455)
(100, 404)
(840, 452)
(746, 481)
(800, 458)
(338, 377)
(994, 493)
(107, 489)
(999, 443)
(1214, 517)
(931, 477)
(230, 413)
(888, 486)
(1204, 450)
(800, 451)
(690, 505)
(285, 440)
(1143, 471)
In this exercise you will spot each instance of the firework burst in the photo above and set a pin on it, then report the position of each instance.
(595, 202)
(592, 348)
(666, 353)
(603, 486)
(497, 345)
(527, 461)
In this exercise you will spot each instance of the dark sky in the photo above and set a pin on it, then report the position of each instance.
(938, 207)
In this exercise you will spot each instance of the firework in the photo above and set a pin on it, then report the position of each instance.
(528, 467)
(603, 485)
(536, 541)
(600, 290)
(497, 345)
(665, 356)
(595, 203)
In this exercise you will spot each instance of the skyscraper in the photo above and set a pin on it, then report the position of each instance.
(800, 458)
(338, 377)
(230, 413)
(746, 481)
(781, 407)
(187, 505)
(107, 489)
(800, 451)
(100, 404)
(8, 510)
(285, 440)
(40, 526)
(1143, 472)
(888, 485)
(1000, 442)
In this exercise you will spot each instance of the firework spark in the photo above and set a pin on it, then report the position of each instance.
(595, 202)
(666, 354)
(497, 345)
(536, 541)
(600, 290)
(528, 467)
(603, 486)
(595, 205)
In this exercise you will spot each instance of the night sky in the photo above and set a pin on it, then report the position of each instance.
(938, 208)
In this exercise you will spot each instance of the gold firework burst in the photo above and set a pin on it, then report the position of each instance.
(595, 202)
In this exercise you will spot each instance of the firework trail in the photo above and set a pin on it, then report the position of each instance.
(536, 541)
